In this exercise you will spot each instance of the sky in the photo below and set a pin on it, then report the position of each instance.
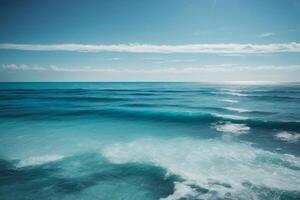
(157, 40)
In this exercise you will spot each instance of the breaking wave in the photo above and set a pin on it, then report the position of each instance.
(228, 127)
(288, 136)
(39, 160)
(213, 168)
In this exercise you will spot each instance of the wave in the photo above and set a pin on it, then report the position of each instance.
(151, 114)
(87, 99)
(181, 191)
(231, 94)
(233, 117)
(288, 137)
(240, 110)
(213, 169)
(229, 100)
(85, 176)
(143, 105)
(44, 91)
(277, 91)
(231, 90)
(229, 127)
(185, 117)
(39, 160)
(262, 95)
(275, 98)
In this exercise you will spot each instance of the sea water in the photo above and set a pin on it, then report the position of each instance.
(140, 141)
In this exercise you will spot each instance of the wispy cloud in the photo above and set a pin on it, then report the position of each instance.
(232, 55)
(23, 67)
(163, 60)
(268, 34)
(114, 59)
(204, 68)
(219, 48)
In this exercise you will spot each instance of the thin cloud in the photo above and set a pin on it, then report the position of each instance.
(166, 60)
(219, 48)
(23, 67)
(263, 35)
(114, 59)
(232, 55)
(204, 68)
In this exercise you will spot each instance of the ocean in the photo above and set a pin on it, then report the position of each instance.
(149, 141)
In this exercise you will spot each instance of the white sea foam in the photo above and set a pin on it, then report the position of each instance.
(39, 160)
(182, 191)
(235, 117)
(240, 110)
(220, 166)
(229, 100)
(231, 128)
(288, 136)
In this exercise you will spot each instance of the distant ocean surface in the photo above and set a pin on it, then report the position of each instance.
(149, 141)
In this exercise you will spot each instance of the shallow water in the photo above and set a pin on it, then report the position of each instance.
(149, 141)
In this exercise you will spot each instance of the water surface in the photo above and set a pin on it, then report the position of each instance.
(149, 141)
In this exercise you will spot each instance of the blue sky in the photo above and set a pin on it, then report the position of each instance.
(165, 40)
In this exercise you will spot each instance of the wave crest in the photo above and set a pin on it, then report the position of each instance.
(288, 137)
(231, 128)
(39, 160)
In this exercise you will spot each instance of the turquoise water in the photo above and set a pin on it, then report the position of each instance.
(149, 141)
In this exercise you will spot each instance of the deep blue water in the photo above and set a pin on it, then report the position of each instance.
(149, 141)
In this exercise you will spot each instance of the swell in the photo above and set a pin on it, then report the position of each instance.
(88, 99)
(91, 97)
(195, 108)
(145, 115)
(274, 98)
(289, 91)
(45, 91)
(80, 91)
(55, 178)
(101, 94)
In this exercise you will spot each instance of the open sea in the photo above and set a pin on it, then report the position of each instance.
(149, 141)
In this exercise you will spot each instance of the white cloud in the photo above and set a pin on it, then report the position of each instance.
(161, 61)
(263, 35)
(23, 67)
(177, 70)
(232, 55)
(219, 48)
